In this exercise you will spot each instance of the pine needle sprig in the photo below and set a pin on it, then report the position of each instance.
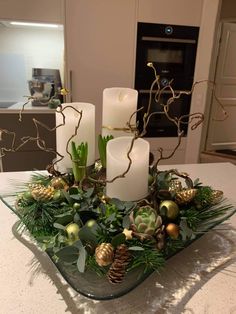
(149, 259)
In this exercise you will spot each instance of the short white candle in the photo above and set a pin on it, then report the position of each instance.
(134, 185)
(85, 133)
(119, 104)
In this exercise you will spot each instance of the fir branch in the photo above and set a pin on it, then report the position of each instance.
(149, 258)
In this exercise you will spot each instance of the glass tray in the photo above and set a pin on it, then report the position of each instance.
(89, 283)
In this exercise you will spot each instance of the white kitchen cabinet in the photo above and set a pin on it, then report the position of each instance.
(33, 11)
(100, 39)
(181, 12)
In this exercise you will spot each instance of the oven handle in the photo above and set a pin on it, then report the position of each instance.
(173, 40)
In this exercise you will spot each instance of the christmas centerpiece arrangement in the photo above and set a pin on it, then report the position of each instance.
(107, 224)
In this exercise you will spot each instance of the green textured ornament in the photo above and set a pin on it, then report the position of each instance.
(169, 209)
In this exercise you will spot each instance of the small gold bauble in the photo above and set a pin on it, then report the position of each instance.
(172, 230)
(216, 197)
(175, 186)
(185, 196)
(104, 254)
(169, 209)
(72, 232)
(58, 183)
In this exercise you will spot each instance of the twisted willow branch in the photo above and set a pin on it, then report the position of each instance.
(197, 118)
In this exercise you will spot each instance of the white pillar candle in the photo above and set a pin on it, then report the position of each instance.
(134, 185)
(118, 106)
(85, 133)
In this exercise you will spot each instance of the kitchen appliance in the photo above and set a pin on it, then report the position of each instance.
(45, 83)
(172, 50)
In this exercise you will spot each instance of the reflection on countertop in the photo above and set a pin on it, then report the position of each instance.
(15, 107)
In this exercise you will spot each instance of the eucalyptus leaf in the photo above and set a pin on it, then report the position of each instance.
(68, 254)
(111, 218)
(88, 234)
(118, 239)
(59, 226)
(126, 222)
(118, 203)
(76, 197)
(64, 219)
(89, 193)
(67, 196)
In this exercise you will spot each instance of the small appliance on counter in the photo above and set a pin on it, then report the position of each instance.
(45, 83)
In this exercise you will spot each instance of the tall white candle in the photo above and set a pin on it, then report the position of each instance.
(118, 105)
(85, 133)
(134, 185)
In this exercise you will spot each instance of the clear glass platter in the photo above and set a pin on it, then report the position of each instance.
(95, 287)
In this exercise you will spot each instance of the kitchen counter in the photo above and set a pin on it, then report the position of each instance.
(27, 109)
(200, 279)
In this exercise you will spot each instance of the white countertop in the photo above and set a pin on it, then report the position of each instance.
(200, 279)
(28, 108)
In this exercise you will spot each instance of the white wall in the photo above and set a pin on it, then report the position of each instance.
(25, 49)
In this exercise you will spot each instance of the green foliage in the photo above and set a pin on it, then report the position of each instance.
(102, 145)
(203, 196)
(79, 160)
(148, 258)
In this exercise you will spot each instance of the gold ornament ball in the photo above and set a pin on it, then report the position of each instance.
(169, 209)
(58, 183)
(172, 230)
(104, 254)
(72, 231)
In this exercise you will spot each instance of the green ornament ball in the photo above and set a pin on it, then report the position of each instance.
(90, 223)
(169, 209)
(27, 196)
(72, 231)
(76, 206)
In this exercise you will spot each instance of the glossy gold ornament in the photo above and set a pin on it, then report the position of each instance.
(175, 186)
(58, 183)
(104, 254)
(41, 193)
(72, 231)
(185, 196)
(169, 209)
(172, 230)
(217, 196)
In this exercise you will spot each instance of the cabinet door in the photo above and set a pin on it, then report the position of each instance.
(100, 41)
(222, 132)
(33, 11)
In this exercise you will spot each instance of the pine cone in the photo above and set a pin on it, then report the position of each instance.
(104, 254)
(118, 268)
(41, 192)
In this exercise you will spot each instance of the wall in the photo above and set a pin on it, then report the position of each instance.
(24, 49)
(27, 10)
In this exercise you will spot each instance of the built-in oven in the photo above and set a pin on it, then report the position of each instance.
(172, 51)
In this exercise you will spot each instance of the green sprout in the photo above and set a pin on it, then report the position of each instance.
(102, 144)
(79, 160)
